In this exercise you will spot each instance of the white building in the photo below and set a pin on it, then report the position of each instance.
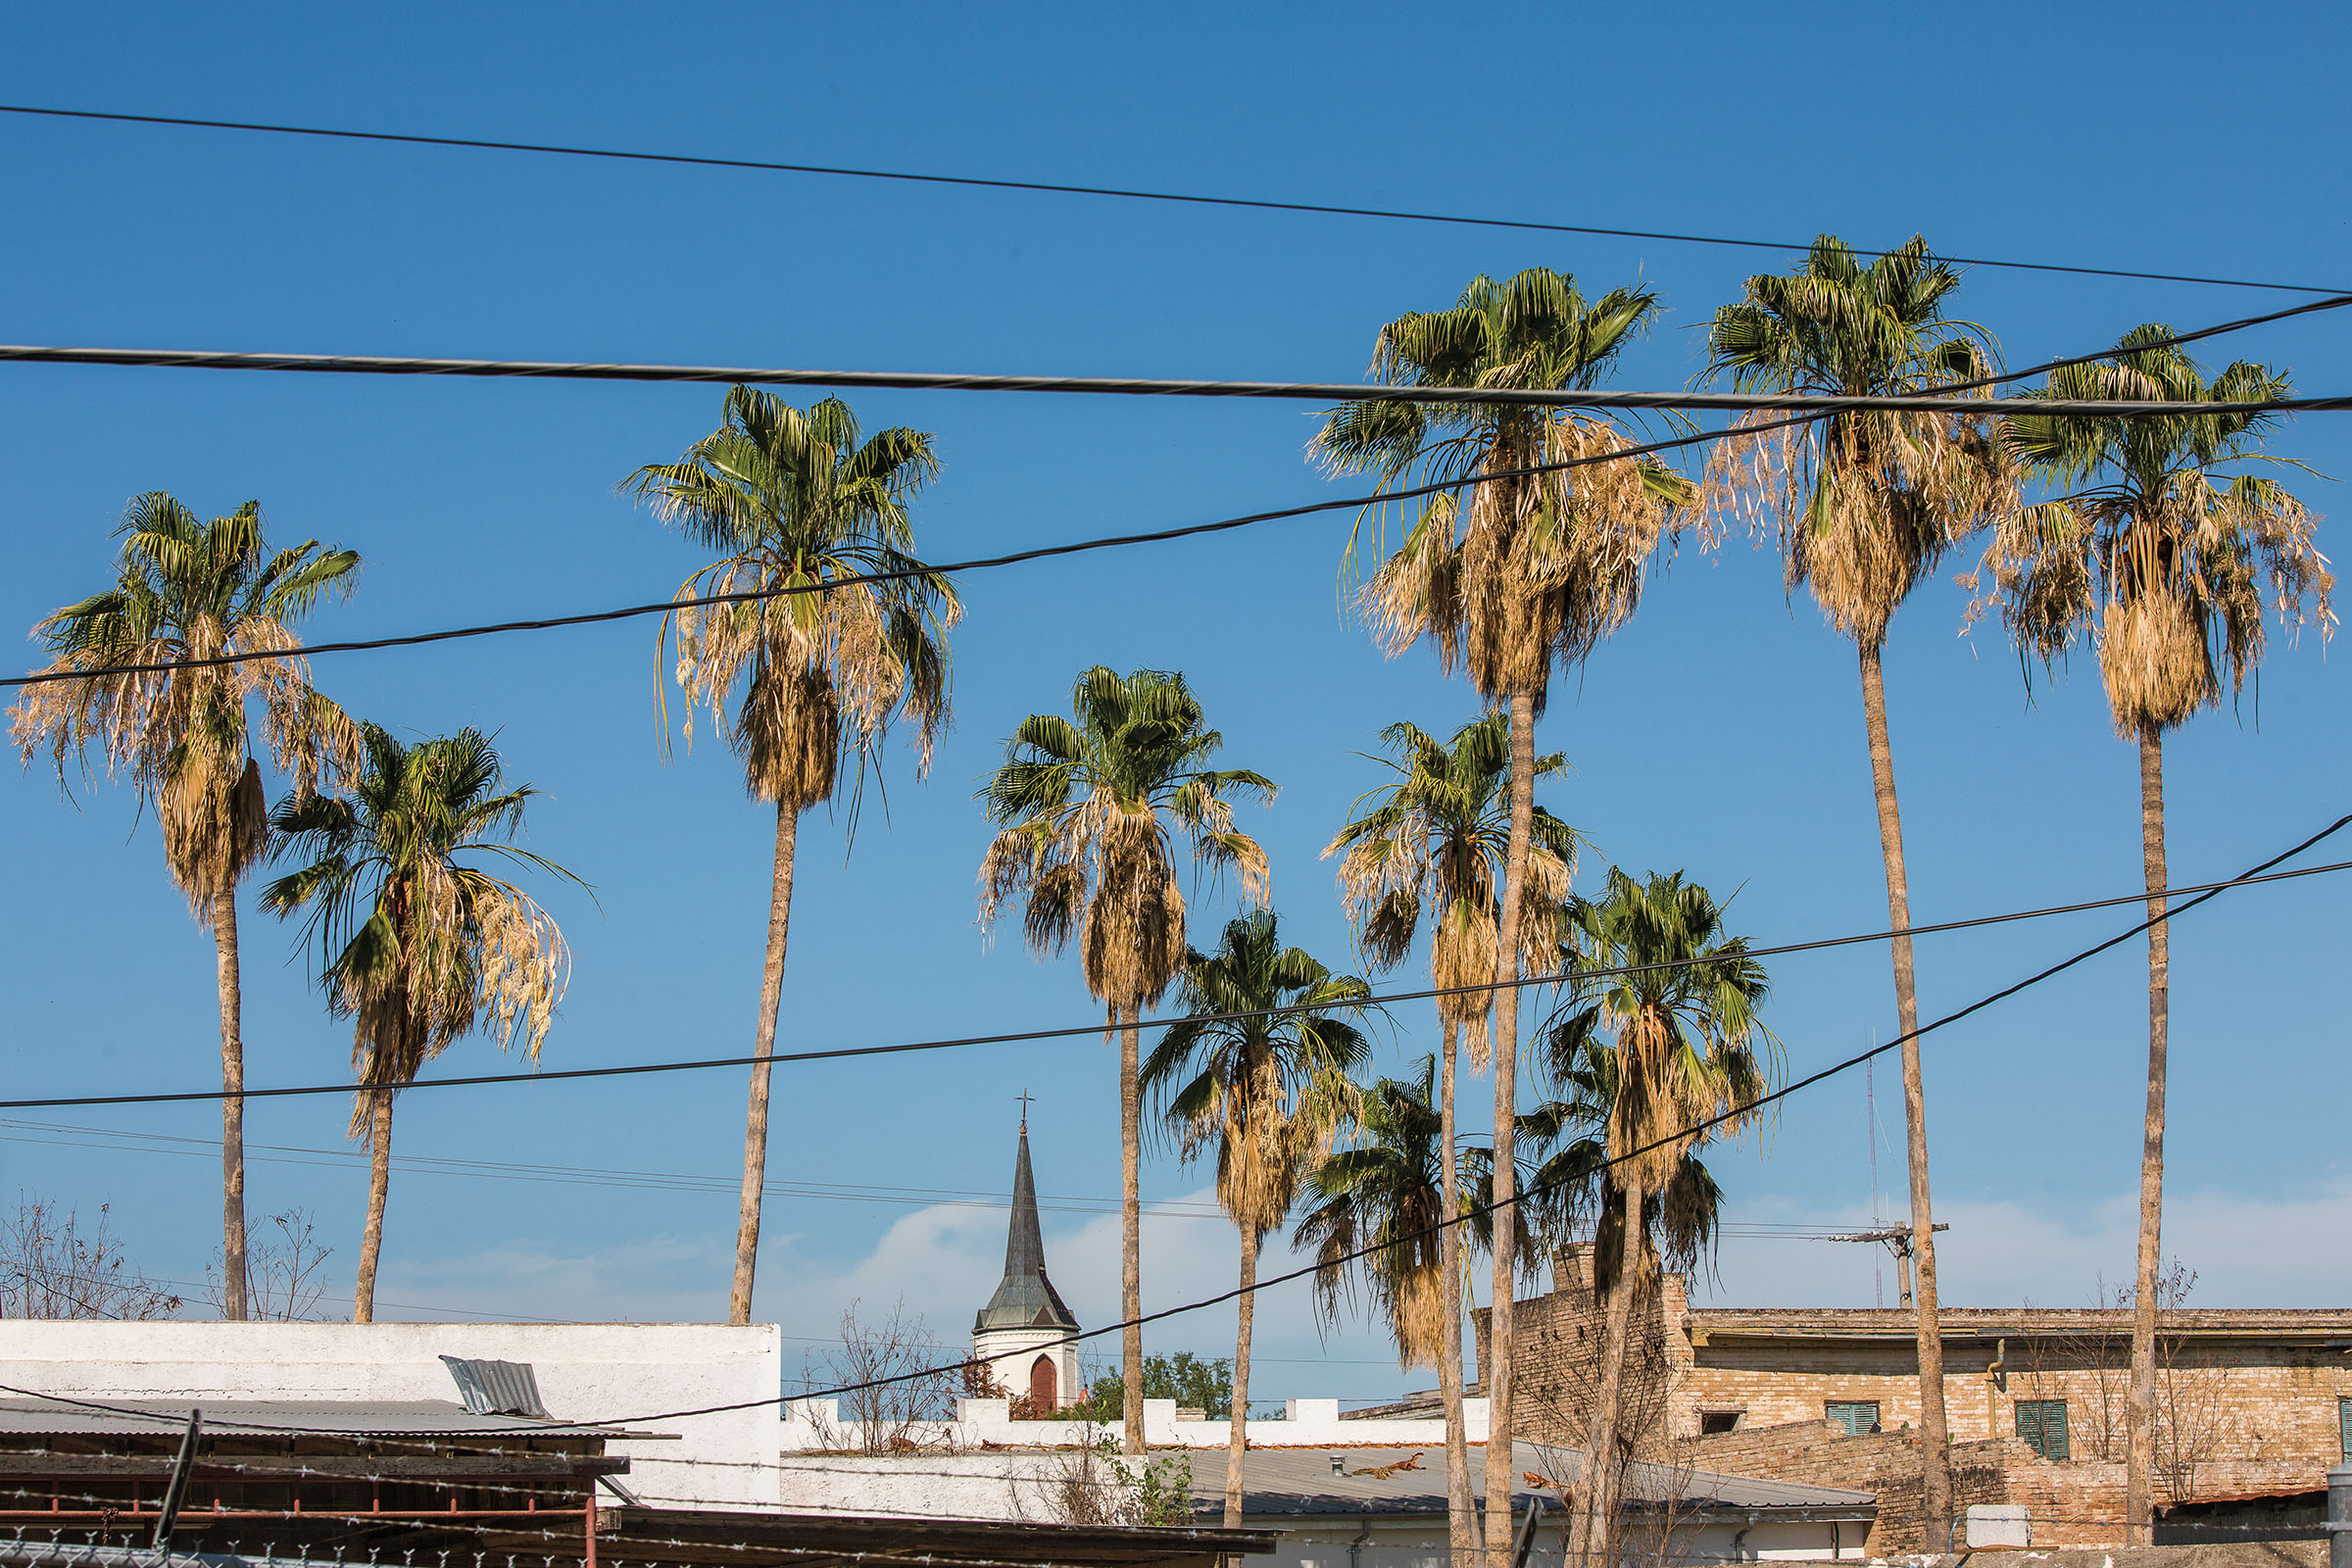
(629, 1375)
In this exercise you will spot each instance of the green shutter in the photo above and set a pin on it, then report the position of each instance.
(2343, 1419)
(1858, 1416)
(2041, 1426)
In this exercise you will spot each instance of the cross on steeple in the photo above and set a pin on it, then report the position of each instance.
(1024, 1097)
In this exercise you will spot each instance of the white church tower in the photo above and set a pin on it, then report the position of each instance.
(1026, 1332)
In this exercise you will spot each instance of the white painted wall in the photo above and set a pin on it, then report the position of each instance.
(602, 1372)
(1306, 1424)
(1021, 1486)
(1011, 1352)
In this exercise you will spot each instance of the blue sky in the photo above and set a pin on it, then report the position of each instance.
(1720, 733)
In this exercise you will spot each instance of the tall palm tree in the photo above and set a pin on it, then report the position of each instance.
(2159, 558)
(1384, 1196)
(800, 506)
(185, 589)
(1656, 1051)
(1536, 568)
(416, 946)
(1268, 1092)
(1434, 839)
(1085, 806)
(1866, 504)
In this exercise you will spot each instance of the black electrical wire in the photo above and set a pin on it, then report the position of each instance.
(2205, 890)
(2212, 891)
(1476, 1210)
(983, 564)
(1118, 541)
(1047, 187)
(1143, 386)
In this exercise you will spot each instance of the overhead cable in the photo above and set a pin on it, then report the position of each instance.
(1109, 541)
(1479, 1210)
(1155, 387)
(2206, 890)
(1055, 188)
(855, 579)
(1471, 1212)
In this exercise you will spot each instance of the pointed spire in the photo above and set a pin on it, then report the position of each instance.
(1024, 1239)
(1025, 1298)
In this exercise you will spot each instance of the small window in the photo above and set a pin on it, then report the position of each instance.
(1858, 1416)
(2041, 1426)
(2343, 1419)
(1711, 1422)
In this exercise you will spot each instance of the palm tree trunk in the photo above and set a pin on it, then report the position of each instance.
(1461, 1509)
(1595, 1526)
(1935, 1458)
(380, 1184)
(2139, 1468)
(233, 1269)
(1131, 1233)
(763, 1046)
(1497, 1371)
(1238, 1442)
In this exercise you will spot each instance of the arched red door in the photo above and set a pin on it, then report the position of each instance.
(1044, 1396)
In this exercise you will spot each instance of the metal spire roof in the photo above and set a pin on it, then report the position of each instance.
(1025, 1299)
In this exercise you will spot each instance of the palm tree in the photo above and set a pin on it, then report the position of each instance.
(800, 509)
(1383, 1196)
(1655, 1052)
(1540, 568)
(417, 947)
(1085, 806)
(1866, 504)
(1435, 839)
(2160, 559)
(1268, 1092)
(184, 590)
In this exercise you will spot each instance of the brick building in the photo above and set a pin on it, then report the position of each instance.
(2250, 1401)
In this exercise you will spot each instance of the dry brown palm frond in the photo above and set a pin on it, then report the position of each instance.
(1417, 592)
(2166, 571)
(1418, 1314)
(182, 740)
(1863, 506)
(1131, 938)
(821, 675)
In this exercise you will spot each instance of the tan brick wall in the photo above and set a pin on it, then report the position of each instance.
(2080, 1502)
(2217, 1406)
(2246, 1405)
(1559, 1337)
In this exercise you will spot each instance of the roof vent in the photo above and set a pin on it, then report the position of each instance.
(498, 1388)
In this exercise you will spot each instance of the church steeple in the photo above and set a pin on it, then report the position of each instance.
(1025, 1299)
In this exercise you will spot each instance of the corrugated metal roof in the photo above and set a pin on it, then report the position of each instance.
(139, 1416)
(1301, 1481)
(497, 1388)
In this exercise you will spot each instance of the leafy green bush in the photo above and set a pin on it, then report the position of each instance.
(1194, 1384)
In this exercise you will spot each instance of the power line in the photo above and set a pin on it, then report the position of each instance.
(1116, 541)
(1047, 187)
(839, 1053)
(572, 1175)
(123, 1140)
(855, 579)
(1476, 1210)
(1151, 387)
(1695, 1130)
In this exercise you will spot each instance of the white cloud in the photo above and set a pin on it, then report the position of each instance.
(2246, 1250)
(654, 1279)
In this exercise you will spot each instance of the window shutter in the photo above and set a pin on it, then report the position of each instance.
(2041, 1426)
